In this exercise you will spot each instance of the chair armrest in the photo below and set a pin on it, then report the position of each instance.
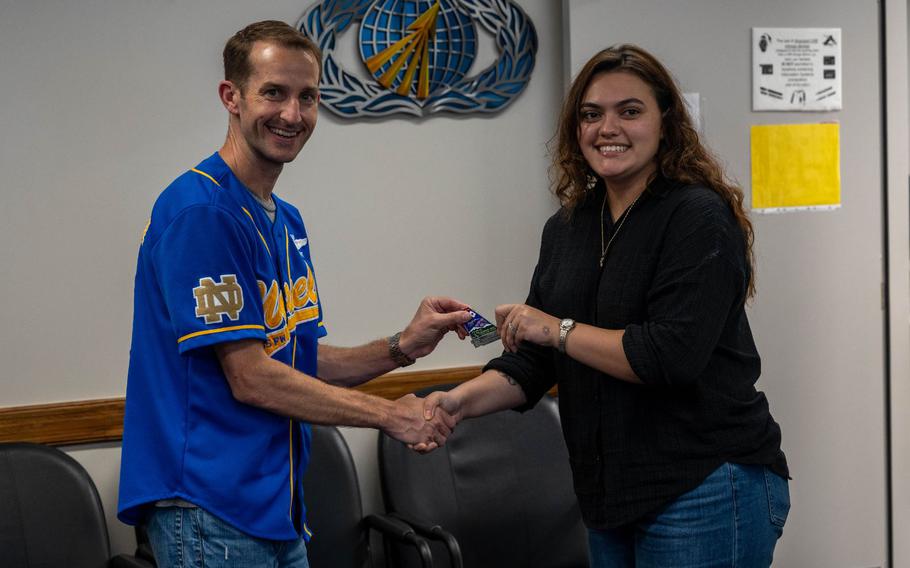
(435, 532)
(129, 561)
(400, 531)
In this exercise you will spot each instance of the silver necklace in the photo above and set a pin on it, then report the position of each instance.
(604, 249)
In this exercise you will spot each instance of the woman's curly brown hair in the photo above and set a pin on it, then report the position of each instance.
(680, 156)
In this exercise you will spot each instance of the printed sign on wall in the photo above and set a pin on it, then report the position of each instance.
(796, 69)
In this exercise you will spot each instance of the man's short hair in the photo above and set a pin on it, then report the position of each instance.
(237, 67)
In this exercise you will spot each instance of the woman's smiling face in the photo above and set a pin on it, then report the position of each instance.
(619, 129)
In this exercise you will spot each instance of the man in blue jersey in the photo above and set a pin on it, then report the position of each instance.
(226, 371)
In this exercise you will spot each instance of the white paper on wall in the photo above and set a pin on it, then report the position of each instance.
(796, 69)
(693, 103)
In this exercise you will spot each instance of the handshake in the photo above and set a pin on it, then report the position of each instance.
(424, 424)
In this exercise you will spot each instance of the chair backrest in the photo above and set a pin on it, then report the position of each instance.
(501, 484)
(50, 511)
(334, 510)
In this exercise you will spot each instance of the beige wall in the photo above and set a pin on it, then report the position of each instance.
(106, 101)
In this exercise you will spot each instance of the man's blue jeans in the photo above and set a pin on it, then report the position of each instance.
(732, 520)
(192, 538)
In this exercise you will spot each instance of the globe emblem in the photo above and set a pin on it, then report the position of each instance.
(420, 55)
(415, 47)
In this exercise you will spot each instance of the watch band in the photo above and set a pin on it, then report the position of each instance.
(396, 353)
(565, 326)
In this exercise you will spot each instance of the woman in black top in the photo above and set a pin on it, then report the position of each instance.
(637, 312)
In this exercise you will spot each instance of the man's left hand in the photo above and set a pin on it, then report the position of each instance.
(436, 316)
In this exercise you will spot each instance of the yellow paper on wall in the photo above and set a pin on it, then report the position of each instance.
(795, 166)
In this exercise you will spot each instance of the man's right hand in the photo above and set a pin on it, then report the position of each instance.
(441, 409)
(491, 392)
(406, 423)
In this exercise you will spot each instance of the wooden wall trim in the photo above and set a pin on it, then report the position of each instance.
(92, 421)
(63, 423)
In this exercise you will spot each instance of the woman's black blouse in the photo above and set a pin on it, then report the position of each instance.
(675, 279)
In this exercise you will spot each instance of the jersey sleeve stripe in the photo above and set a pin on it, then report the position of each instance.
(202, 173)
(219, 330)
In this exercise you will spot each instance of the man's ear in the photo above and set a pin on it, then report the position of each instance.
(230, 95)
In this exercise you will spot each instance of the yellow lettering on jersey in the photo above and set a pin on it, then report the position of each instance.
(277, 340)
(311, 286)
(304, 315)
(273, 307)
(283, 311)
(302, 299)
(300, 294)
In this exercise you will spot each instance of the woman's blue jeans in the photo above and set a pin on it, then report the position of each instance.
(732, 520)
(193, 538)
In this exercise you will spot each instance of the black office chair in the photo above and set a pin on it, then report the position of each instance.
(501, 486)
(335, 513)
(50, 512)
(143, 546)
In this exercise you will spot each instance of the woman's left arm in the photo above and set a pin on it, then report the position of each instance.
(598, 348)
(701, 278)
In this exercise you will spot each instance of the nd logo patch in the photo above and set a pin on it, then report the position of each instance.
(214, 300)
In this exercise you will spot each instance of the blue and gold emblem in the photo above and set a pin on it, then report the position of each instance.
(418, 54)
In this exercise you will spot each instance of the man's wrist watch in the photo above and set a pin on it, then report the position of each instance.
(397, 354)
(565, 326)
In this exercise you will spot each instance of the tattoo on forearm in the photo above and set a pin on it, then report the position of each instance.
(508, 378)
(546, 330)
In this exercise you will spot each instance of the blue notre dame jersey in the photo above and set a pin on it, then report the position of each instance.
(213, 268)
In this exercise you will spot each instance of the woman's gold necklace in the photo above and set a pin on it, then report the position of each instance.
(604, 249)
